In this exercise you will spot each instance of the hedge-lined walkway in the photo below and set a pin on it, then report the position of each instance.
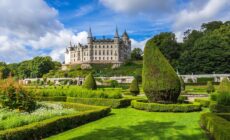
(134, 124)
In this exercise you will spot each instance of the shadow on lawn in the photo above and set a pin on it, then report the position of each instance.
(144, 130)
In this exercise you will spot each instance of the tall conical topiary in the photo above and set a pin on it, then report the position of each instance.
(210, 87)
(90, 82)
(160, 81)
(134, 88)
(224, 86)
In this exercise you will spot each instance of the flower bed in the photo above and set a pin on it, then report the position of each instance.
(157, 107)
(217, 126)
(114, 103)
(54, 125)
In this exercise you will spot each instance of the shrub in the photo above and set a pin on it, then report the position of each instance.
(223, 99)
(54, 98)
(203, 102)
(160, 81)
(90, 82)
(182, 99)
(114, 103)
(45, 128)
(213, 96)
(14, 96)
(113, 83)
(210, 87)
(224, 86)
(156, 107)
(217, 126)
(134, 87)
(216, 108)
(204, 80)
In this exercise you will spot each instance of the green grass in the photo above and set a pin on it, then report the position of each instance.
(131, 124)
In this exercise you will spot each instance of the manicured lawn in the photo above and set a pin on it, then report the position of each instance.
(131, 124)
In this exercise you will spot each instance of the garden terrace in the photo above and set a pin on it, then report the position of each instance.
(56, 124)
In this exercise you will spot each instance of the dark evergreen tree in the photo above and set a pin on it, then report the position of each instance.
(90, 82)
(134, 87)
(160, 81)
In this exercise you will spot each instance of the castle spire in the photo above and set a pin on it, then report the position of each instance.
(116, 33)
(90, 33)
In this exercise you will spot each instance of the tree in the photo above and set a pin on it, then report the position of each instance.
(136, 54)
(113, 83)
(211, 26)
(134, 87)
(5, 71)
(224, 86)
(160, 81)
(168, 45)
(210, 87)
(90, 82)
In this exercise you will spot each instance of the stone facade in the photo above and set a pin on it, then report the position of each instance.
(100, 51)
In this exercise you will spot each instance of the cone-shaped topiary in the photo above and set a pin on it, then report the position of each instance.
(134, 88)
(160, 81)
(210, 87)
(224, 86)
(182, 85)
(90, 82)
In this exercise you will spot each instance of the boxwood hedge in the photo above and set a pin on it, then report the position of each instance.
(203, 102)
(216, 108)
(217, 126)
(114, 103)
(45, 128)
(157, 107)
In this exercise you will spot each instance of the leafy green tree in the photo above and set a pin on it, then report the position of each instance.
(136, 54)
(168, 45)
(210, 87)
(4, 70)
(160, 81)
(90, 82)
(211, 26)
(113, 83)
(134, 87)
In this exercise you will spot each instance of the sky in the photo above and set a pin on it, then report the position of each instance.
(30, 28)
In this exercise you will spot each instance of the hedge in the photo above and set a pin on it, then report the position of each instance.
(205, 80)
(156, 107)
(51, 98)
(224, 115)
(215, 108)
(45, 128)
(203, 102)
(217, 126)
(114, 103)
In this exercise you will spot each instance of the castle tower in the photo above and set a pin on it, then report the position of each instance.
(90, 45)
(125, 37)
(116, 43)
(116, 37)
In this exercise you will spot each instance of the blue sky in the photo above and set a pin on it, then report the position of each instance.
(30, 28)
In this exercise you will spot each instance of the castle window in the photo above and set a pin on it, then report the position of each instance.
(103, 58)
(111, 52)
(111, 46)
(99, 52)
(103, 46)
(95, 58)
(99, 46)
(103, 53)
(95, 52)
(107, 46)
(95, 46)
(111, 58)
(107, 58)
(99, 58)
(107, 52)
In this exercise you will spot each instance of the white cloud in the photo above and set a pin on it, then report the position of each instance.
(27, 18)
(138, 44)
(193, 16)
(138, 6)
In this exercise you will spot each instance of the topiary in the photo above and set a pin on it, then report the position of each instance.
(224, 86)
(210, 87)
(223, 96)
(182, 85)
(160, 81)
(90, 82)
(134, 88)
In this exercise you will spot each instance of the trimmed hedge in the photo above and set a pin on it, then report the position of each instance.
(224, 115)
(45, 128)
(156, 107)
(51, 98)
(217, 126)
(216, 108)
(114, 103)
(203, 102)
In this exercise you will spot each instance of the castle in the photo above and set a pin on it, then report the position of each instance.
(100, 51)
